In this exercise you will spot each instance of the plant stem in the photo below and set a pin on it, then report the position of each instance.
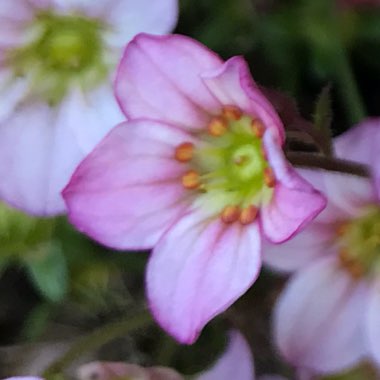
(317, 161)
(95, 340)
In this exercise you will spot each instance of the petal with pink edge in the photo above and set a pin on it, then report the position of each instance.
(294, 201)
(232, 84)
(235, 363)
(318, 318)
(159, 78)
(314, 242)
(373, 321)
(128, 191)
(198, 269)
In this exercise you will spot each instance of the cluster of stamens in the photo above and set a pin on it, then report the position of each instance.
(244, 156)
(359, 244)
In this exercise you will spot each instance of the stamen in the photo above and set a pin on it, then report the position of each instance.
(230, 214)
(349, 263)
(191, 180)
(263, 153)
(269, 178)
(258, 128)
(248, 215)
(341, 229)
(217, 127)
(184, 152)
(232, 112)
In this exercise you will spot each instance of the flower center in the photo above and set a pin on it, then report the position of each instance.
(227, 168)
(359, 243)
(64, 48)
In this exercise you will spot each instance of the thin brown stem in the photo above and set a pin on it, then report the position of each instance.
(317, 161)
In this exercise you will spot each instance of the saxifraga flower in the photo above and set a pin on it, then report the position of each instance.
(198, 173)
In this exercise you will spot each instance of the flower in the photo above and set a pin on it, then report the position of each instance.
(236, 362)
(198, 173)
(57, 60)
(327, 318)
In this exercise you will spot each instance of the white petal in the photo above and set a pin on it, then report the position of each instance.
(235, 363)
(128, 18)
(40, 147)
(318, 319)
(373, 321)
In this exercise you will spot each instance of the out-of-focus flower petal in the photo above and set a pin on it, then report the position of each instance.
(40, 147)
(235, 363)
(316, 321)
(126, 193)
(232, 84)
(294, 202)
(163, 373)
(111, 371)
(127, 18)
(373, 322)
(159, 78)
(197, 270)
(271, 377)
(12, 90)
(361, 144)
(349, 193)
(314, 242)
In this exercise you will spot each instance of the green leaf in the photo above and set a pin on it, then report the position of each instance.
(48, 269)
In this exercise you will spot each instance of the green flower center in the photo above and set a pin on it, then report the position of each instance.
(228, 168)
(65, 49)
(359, 243)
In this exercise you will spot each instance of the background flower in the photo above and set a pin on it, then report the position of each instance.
(327, 318)
(57, 61)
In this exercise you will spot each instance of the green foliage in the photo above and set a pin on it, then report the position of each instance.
(48, 269)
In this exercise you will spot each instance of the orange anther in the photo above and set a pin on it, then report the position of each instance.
(350, 264)
(258, 128)
(269, 178)
(230, 214)
(184, 152)
(248, 215)
(217, 127)
(341, 229)
(191, 180)
(232, 112)
(263, 153)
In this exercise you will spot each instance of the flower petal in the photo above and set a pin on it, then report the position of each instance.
(232, 83)
(127, 192)
(294, 202)
(372, 321)
(41, 146)
(236, 362)
(128, 18)
(198, 269)
(158, 78)
(361, 144)
(314, 242)
(318, 318)
(164, 373)
(110, 371)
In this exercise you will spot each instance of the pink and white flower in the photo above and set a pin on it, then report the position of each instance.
(328, 317)
(198, 173)
(57, 61)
